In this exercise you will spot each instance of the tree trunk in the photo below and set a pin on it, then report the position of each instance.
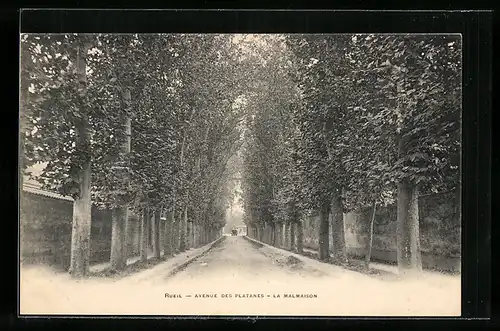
(205, 234)
(168, 236)
(324, 249)
(279, 235)
(200, 234)
(195, 235)
(409, 258)
(118, 235)
(283, 234)
(269, 235)
(82, 206)
(338, 236)
(183, 230)
(150, 231)
(165, 239)
(173, 226)
(199, 231)
(190, 235)
(300, 237)
(127, 245)
(156, 234)
(287, 234)
(292, 236)
(81, 224)
(183, 220)
(273, 234)
(175, 235)
(144, 234)
(171, 234)
(24, 119)
(370, 236)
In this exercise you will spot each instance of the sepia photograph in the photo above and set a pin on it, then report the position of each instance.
(240, 174)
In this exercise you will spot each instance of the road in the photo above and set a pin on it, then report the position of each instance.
(239, 277)
(238, 264)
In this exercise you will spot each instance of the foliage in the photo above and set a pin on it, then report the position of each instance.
(301, 118)
(180, 100)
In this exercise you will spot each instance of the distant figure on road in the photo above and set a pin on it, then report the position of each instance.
(234, 232)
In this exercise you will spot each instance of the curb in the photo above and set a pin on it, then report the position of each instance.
(281, 250)
(299, 256)
(184, 264)
(315, 263)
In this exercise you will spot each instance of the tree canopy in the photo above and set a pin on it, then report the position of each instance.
(305, 119)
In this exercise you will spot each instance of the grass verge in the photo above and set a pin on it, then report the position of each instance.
(144, 265)
(132, 268)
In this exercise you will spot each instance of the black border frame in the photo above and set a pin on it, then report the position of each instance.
(476, 30)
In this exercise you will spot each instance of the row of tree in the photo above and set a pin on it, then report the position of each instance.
(143, 124)
(349, 121)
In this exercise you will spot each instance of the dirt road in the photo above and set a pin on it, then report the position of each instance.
(238, 277)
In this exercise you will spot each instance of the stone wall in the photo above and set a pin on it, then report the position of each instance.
(440, 232)
(45, 229)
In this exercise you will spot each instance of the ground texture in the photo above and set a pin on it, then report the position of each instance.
(241, 277)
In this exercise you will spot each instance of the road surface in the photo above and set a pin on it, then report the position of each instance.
(238, 277)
